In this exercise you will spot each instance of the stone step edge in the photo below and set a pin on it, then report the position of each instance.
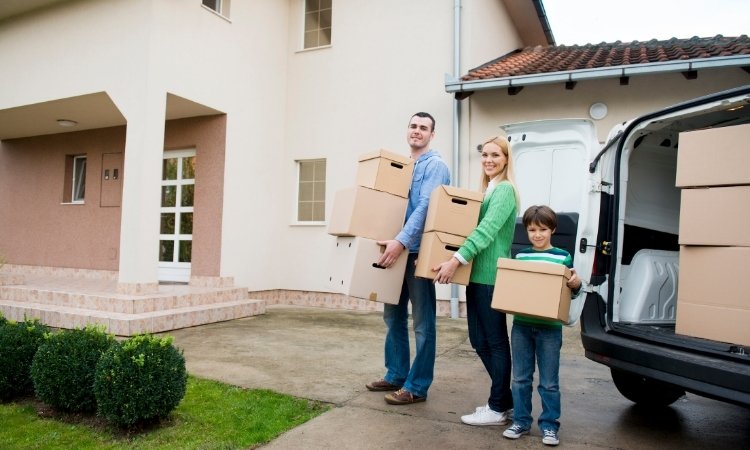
(128, 316)
(112, 302)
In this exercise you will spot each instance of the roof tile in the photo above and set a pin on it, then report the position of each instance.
(562, 58)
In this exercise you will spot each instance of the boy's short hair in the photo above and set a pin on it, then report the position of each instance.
(540, 214)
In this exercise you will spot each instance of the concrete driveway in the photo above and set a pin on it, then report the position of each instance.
(329, 355)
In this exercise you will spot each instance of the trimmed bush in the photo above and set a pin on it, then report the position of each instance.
(64, 366)
(139, 380)
(18, 344)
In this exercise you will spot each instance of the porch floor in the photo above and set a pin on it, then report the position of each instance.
(65, 301)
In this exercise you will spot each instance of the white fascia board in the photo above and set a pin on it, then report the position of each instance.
(456, 85)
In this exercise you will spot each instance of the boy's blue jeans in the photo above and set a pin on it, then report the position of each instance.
(421, 292)
(488, 334)
(544, 344)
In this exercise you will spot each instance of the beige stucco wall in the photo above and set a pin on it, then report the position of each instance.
(358, 95)
(486, 111)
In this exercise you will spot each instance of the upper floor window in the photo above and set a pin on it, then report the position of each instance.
(220, 6)
(311, 190)
(317, 23)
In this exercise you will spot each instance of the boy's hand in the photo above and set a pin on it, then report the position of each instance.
(574, 282)
(446, 270)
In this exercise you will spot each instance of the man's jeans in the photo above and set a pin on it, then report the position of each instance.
(545, 343)
(421, 292)
(488, 334)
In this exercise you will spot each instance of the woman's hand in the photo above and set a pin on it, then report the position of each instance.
(446, 270)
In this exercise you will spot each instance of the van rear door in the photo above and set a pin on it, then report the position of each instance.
(551, 161)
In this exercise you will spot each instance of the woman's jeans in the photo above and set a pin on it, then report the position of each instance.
(421, 292)
(545, 344)
(488, 334)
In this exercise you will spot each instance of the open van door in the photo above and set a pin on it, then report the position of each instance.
(551, 160)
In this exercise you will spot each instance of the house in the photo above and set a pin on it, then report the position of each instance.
(152, 142)
(168, 163)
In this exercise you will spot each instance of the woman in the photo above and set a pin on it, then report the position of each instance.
(490, 240)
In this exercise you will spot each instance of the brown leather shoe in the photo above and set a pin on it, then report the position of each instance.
(381, 385)
(403, 397)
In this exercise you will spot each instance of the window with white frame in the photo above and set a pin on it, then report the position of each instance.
(79, 178)
(311, 190)
(317, 23)
(74, 188)
(220, 6)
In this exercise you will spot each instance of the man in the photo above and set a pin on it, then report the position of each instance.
(411, 383)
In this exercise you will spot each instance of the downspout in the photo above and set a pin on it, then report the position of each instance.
(456, 123)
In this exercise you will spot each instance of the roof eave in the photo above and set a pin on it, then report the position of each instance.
(453, 85)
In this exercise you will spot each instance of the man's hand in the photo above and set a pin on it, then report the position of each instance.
(393, 249)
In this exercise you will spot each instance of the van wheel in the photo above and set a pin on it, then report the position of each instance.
(645, 391)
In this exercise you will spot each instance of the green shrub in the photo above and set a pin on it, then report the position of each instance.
(139, 380)
(64, 366)
(18, 344)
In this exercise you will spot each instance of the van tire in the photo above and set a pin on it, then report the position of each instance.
(645, 391)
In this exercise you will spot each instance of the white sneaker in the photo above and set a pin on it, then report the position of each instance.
(550, 437)
(483, 415)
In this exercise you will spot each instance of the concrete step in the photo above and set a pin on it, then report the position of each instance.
(121, 303)
(129, 324)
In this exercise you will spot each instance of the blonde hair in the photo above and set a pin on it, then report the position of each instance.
(508, 173)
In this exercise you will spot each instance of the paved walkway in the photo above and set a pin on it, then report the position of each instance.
(329, 355)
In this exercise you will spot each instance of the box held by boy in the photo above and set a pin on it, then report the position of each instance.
(532, 288)
(385, 171)
(453, 210)
(354, 272)
(437, 247)
(365, 212)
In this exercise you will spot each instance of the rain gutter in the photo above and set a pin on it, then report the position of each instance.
(456, 85)
(456, 125)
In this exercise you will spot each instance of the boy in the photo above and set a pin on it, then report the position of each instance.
(533, 338)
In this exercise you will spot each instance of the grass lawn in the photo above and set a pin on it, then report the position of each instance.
(212, 415)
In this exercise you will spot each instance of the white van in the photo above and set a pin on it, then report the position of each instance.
(619, 217)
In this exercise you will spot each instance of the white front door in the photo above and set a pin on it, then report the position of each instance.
(176, 229)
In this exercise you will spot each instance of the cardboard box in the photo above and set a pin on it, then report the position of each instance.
(438, 247)
(716, 323)
(717, 276)
(713, 157)
(364, 212)
(453, 210)
(532, 288)
(710, 216)
(385, 171)
(353, 271)
(712, 294)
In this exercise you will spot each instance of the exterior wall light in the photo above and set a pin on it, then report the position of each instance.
(598, 111)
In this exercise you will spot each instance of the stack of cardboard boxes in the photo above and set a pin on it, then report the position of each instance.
(451, 216)
(371, 211)
(713, 297)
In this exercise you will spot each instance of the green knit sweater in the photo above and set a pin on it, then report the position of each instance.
(493, 236)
